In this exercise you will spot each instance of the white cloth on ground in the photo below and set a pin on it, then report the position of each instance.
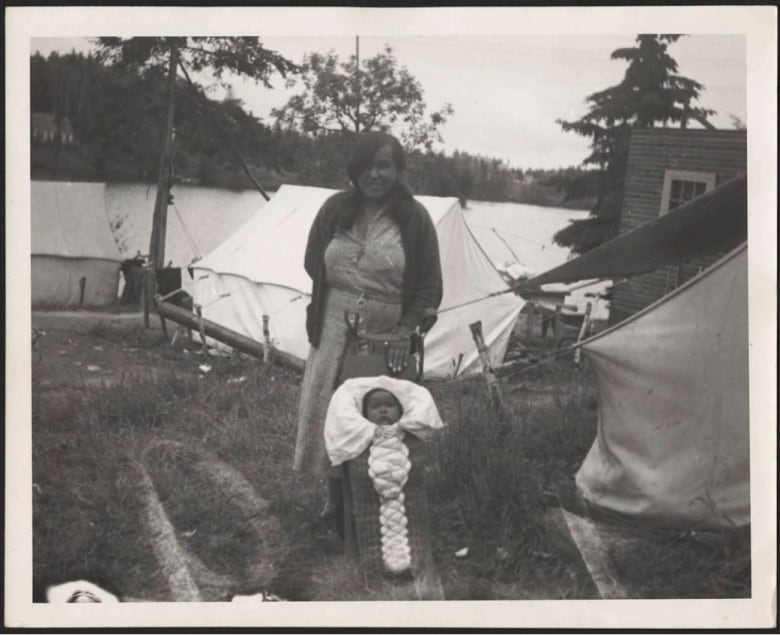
(80, 591)
(348, 433)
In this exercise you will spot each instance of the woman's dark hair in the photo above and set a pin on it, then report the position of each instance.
(375, 390)
(365, 150)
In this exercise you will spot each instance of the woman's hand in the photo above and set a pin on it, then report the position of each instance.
(398, 349)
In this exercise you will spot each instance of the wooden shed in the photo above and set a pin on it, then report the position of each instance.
(668, 167)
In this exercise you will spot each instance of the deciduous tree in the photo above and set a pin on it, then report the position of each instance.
(340, 97)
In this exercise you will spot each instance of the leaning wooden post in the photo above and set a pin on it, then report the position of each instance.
(487, 369)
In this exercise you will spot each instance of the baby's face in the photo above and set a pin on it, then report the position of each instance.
(382, 408)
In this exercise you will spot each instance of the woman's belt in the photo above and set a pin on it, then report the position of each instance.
(366, 295)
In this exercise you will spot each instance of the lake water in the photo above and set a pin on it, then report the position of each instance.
(199, 220)
(202, 218)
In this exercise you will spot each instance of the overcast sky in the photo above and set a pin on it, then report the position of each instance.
(508, 91)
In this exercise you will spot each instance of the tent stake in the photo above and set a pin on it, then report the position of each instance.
(146, 293)
(201, 329)
(82, 288)
(583, 331)
(266, 340)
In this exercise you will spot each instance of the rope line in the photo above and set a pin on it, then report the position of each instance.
(511, 251)
(187, 234)
(171, 294)
(222, 129)
(546, 359)
(487, 297)
(284, 305)
(520, 236)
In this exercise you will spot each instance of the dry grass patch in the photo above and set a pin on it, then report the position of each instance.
(490, 485)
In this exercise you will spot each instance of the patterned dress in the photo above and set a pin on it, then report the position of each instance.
(364, 276)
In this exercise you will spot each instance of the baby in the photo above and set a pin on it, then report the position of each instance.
(381, 407)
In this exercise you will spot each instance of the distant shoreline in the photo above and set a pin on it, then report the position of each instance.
(272, 188)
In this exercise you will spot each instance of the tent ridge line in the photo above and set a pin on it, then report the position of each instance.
(243, 277)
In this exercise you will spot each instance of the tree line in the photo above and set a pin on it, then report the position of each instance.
(117, 113)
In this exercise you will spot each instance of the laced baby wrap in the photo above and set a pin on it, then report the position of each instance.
(348, 434)
(388, 467)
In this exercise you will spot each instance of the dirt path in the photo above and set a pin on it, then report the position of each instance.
(81, 349)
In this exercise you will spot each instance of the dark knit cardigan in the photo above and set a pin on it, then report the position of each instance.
(421, 283)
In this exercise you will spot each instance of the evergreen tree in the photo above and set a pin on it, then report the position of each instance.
(651, 93)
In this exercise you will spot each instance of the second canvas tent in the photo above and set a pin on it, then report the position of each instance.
(75, 260)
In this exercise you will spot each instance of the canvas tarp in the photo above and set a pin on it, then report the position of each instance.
(672, 440)
(713, 222)
(259, 271)
(71, 241)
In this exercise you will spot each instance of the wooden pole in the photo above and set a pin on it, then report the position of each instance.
(357, 83)
(487, 369)
(160, 218)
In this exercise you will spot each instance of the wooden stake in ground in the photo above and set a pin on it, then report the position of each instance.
(266, 339)
(487, 369)
(146, 292)
(584, 330)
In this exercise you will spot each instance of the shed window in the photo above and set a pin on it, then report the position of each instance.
(681, 186)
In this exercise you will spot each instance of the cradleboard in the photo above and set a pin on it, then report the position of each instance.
(365, 355)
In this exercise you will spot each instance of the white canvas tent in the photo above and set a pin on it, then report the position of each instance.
(259, 271)
(673, 431)
(71, 241)
(518, 239)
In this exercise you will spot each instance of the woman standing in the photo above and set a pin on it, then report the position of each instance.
(371, 250)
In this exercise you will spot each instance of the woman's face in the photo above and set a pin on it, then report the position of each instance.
(380, 176)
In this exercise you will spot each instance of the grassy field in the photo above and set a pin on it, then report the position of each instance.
(491, 486)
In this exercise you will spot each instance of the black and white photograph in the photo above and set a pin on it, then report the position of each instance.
(391, 317)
